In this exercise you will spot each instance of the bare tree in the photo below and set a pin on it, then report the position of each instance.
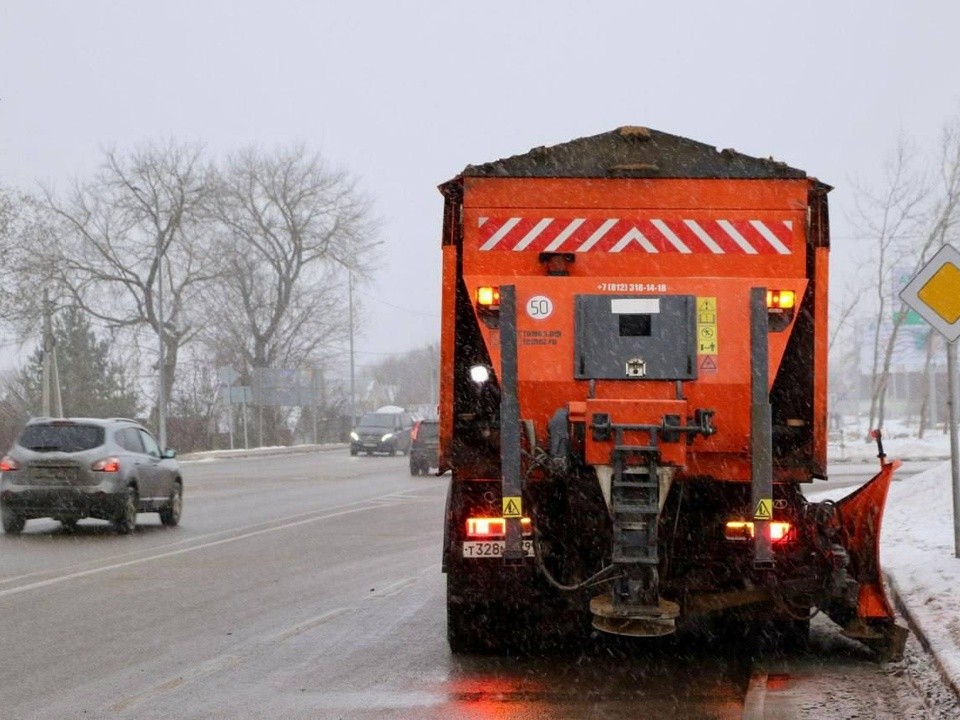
(890, 217)
(911, 220)
(27, 249)
(139, 224)
(289, 227)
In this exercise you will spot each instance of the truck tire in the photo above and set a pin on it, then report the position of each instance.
(469, 629)
(464, 634)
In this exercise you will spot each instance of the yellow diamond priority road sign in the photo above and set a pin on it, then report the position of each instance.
(935, 292)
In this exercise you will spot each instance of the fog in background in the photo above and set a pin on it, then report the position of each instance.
(404, 95)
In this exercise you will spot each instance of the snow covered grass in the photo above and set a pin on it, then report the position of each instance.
(917, 551)
(899, 441)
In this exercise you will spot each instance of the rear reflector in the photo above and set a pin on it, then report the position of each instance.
(491, 527)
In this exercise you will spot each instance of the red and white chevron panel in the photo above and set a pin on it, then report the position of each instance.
(614, 235)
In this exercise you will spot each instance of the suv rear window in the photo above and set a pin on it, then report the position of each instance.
(61, 438)
(427, 431)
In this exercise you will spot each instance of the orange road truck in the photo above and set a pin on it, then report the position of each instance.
(633, 395)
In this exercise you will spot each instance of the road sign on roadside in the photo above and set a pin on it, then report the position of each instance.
(934, 292)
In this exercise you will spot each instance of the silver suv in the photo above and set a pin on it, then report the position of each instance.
(73, 468)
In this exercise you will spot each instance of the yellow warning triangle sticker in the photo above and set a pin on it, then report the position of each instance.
(512, 507)
(764, 510)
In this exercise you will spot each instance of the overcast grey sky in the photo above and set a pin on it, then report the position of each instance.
(403, 95)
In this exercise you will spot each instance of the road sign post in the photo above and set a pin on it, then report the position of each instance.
(954, 450)
(935, 294)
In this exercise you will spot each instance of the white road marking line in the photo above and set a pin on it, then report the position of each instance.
(309, 624)
(372, 505)
(756, 696)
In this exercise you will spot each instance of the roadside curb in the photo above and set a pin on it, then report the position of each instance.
(917, 630)
(259, 452)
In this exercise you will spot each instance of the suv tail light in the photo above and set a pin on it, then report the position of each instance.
(108, 464)
(8, 464)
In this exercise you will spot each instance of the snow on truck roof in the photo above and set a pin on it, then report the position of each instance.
(632, 151)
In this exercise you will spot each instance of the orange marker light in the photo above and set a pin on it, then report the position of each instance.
(781, 299)
(488, 297)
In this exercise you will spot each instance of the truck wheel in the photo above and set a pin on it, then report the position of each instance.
(468, 631)
(468, 628)
(12, 523)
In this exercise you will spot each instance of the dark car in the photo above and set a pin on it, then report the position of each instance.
(73, 468)
(424, 447)
(382, 432)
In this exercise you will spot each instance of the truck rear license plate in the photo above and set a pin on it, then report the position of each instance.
(491, 548)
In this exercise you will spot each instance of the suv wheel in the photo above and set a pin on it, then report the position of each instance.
(126, 522)
(170, 513)
(12, 523)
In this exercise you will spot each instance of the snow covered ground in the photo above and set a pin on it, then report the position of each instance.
(917, 542)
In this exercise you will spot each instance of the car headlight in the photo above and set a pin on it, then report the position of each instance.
(354, 436)
(386, 437)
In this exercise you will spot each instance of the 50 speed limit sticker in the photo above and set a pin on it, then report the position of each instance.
(539, 307)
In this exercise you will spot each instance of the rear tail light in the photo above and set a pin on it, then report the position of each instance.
(8, 464)
(494, 527)
(413, 433)
(108, 464)
(743, 530)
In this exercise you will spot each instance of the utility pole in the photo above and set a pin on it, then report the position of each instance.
(161, 339)
(47, 354)
(51, 397)
(353, 400)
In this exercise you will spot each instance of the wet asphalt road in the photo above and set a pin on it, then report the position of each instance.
(304, 586)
